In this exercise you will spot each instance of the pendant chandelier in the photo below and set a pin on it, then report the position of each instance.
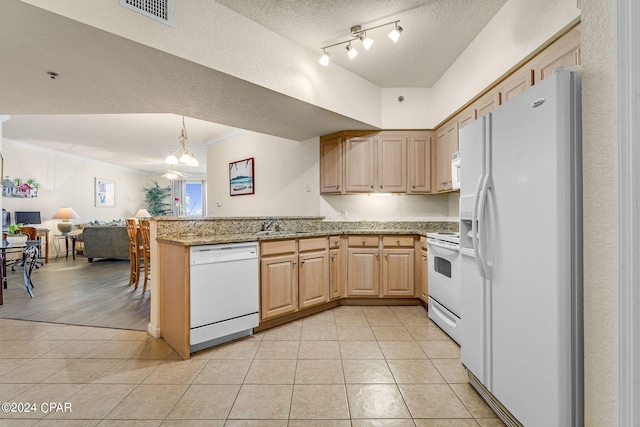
(182, 155)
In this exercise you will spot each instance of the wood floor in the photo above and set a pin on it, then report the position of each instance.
(78, 293)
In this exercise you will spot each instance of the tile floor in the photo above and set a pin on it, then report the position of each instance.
(350, 366)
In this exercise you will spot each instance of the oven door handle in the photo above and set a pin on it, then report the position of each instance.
(454, 248)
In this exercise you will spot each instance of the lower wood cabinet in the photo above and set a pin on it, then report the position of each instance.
(363, 272)
(398, 277)
(423, 276)
(337, 271)
(293, 275)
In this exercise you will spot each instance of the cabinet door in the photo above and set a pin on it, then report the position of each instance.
(331, 165)
(313, 278)
(516, 83)
(446, 145)
(487, 103)
(360, 164)
(564, 52)
(336, 273)
(363, 272)
(419, 158)
(398, 272)
(279, 285)
(392, 163)
(466, 116)
(423, 275)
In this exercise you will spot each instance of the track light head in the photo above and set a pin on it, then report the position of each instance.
(395, 33)
(367, 42)
(324, 59)
(351, 51)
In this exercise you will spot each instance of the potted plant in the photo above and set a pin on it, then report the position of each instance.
(15, 236)
(155, 198)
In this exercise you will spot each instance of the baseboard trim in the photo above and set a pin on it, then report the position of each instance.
(153, 330)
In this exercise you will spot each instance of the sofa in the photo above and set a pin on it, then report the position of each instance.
(106, 241)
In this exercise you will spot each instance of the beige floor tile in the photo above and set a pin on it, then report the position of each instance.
(415, 371)
(237, 350)
(262, 402)
(325, 318)
(81, 423)
(383, 320)
(401, 350)
(39, 394)
(176, 372)
(130, 423)
(347, 310)
(132, 336)
(34, 349)
(116, 350)
(352, 320)
(319, 423)
(153, 348)
(81, 371)
(193, 423)
(256, 423)
(359, 371)
(205, 354)
(319, 402)
(318, 332)
(283, 333)
(472, 400)
(433, 401)
(271, 371)
(223, 371)
(73, 349)
(7, 365)
(148, 402)
(128, 372)
(445, 423)
(278, 350)
(383, 423)
(427, 333)
(99, 334)
(440, 349)
(376, 401)
(94, 401)
(205, 402)
(355, 333)
(321, 371)
(34, 371)
(491, 422)
(452, 370)
(319, 350)
(8, 392)
(391, 333)
(360, 350)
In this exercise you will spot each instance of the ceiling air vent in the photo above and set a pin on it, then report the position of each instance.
(160, 10)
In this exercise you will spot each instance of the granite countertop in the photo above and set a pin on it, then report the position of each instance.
(276, 235)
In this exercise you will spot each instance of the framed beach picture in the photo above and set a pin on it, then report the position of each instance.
(241, 177)
(105, 192)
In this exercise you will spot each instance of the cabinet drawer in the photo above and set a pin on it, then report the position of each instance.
(313, 244)
(334, 242)
(397, 241)
(277, 247)
(363, 241)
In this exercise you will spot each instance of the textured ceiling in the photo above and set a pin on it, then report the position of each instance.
(435, 32)
(103, 73)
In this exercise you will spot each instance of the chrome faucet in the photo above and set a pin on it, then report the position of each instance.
(268, 223)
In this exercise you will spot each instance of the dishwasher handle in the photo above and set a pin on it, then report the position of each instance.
(212, 254)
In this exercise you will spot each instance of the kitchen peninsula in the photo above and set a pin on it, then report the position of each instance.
(306, 265)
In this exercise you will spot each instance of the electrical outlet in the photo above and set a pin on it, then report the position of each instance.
(218, 204)
(308, 187)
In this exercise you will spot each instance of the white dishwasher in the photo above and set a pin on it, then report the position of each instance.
(224, 287)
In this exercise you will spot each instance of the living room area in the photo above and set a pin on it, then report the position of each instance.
(68, 290)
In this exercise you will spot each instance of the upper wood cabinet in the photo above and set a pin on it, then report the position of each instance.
(487, 103)
(331, 165)
(564, 52)
(446, 145)
(360, 164)
(392, 163)
(516, 83)
(419, 158)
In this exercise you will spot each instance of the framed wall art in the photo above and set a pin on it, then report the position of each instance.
(105, 192)
(241, 181)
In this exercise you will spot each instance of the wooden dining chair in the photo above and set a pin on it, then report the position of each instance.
(134, 252)
(146, 250)
(32, 232)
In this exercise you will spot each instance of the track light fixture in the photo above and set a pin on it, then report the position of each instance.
(360, 33)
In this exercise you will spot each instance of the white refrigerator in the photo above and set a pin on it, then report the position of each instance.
(521, 255)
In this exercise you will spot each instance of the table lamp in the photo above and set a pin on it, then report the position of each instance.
(65, 214)
(142, 213)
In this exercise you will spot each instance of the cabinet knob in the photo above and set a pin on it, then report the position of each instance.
(381, 186)
(301, 262)
(337, 187)
(294, 262)
(333, 257)
(398, 241)
(386, 255)
(413, 186)
(363, 241)
(372, 186)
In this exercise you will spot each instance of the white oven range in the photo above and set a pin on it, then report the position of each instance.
(443, 251)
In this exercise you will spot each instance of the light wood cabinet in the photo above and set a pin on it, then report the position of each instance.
(446, 145)
(313, 272)
(363, 266)
(487, 103)
(331, 165)
(423, 276)
(420, 163)
(564, 52)
(293, 275)
(398, 266)
(392, 163)
(466, 116)
(516, 83)
(337, 271)
(360, 166)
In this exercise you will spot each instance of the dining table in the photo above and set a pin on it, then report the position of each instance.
(30, 253)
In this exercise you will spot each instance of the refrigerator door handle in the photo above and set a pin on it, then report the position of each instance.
(483, 227)
(475, 226)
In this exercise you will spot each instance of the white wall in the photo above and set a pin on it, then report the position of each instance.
(68, 180)
(285, 169)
